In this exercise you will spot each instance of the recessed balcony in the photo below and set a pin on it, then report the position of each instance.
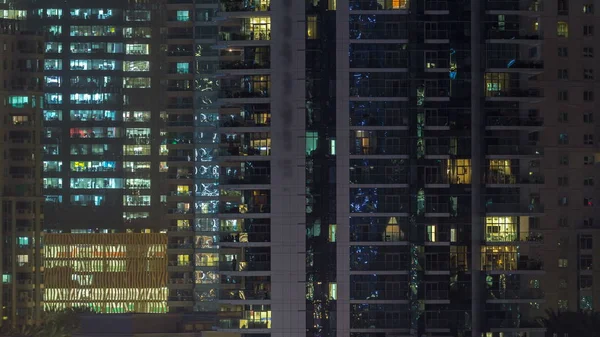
(501, 123)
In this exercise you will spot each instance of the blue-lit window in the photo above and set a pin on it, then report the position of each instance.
(52, 182)
(54, 30)
(52, 64)
(23, 241)
(53, 81)
(93, 115)
(137, 15)
(183, 68)
(87, 200)
(52, 166)
(93, 166)
(18, 101)
(53, 98)
(96, 183)
(92, 98)
(6, 278)
(53, 47)
(183, 15)
(53, 199)
(137, 49)
(54, 13)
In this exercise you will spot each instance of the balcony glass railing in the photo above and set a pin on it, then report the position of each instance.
(246, 6)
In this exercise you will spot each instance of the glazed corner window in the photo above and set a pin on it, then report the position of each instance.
(183, 15)
(562, 29)
(18, 101)
(136, 82)
(137, 15)
(137, 49)
(311, 27)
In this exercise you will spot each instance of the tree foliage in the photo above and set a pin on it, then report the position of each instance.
(571, 323)
(55, 323)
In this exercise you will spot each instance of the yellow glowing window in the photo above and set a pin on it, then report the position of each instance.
(332, 5)
(332, 233)
(432, 233)
(333, 291)
(183, 189)
(311, 27)
(562, 29)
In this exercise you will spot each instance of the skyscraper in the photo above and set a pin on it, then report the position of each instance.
(362, 168)
(20, 183)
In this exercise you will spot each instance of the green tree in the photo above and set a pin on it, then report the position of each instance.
(571, 323)
(55, 323)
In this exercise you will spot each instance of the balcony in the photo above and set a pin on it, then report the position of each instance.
(245, 36)
(513, 65)
(437, 150)
(501, 123)
(521, 237)
(245, 266)
(375, 179)
(513, 209)
(516, 36)
(514, 7)
(247, 179)
(380, 150)
(370, 5)
(244, 295)
(245, 237)
(514, 151)
(513, 323)
(239, 93)
(243, 65)
(514, 294)
(245, 6)
(494, 178)
(520, 95)
(511, 265)
(242, 208)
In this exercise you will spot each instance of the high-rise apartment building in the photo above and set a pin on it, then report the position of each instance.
(21, 196)
(362, 168)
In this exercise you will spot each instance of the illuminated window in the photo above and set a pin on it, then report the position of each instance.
(137, 15)
(432, 233)
(333, 291)
(183, 15)
(6, 278)
(137, 49)
(18, 101)
(136, 66)
(562, 29)
(136, 150)
(496, 83)
(332, 233)
(136, 82)
(311, 27)
(163, 167)
(332, 5)
(563, 263)
(183, 68)
(332, 147)
(22, 260)
(500, 229)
